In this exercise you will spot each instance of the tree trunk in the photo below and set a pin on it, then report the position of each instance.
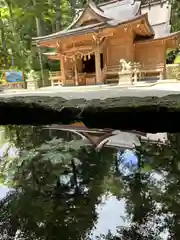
(38, 20)
(3, 40)
(58, 15)
(73, 7)
(39, 33)
(9, 4)
(75, 176)
(51, 6)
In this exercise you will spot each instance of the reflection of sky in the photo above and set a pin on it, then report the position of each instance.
(3, 191)
(128, 162)
(10, 150)
(111, 214)
(128, 157)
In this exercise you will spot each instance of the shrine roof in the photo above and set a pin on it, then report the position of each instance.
(164, 36)
(159, 16)
(121, 10)
(113, 10)
(112, 13)
(88, 29)
(161, 30)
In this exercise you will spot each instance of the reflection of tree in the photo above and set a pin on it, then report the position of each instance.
(153, 198)
(57, 186)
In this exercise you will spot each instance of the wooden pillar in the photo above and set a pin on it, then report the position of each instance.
(63, 75)
(75, 72)
(163, 75)
(98, 64)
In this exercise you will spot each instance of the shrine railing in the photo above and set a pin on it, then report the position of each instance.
(113, 69)
(55, 74)
(55, 78)
(137, 70)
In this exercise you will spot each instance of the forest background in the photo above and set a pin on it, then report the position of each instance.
(22, 20)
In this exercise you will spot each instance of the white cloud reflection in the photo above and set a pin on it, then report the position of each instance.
(111, 214)
(3, 191)
(9, 149)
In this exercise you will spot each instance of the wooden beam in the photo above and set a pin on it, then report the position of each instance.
(48, 43)
(56, 57)
(76, 49)
(76, 38)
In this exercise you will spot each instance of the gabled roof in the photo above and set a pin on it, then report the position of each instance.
(161, 30)
(121, 10)
(93, 28)
(162, 37)
(93, 11)
(111, 14)
(158, 13)
(114, 10)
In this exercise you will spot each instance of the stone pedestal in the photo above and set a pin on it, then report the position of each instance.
(125, 78)
(32, 84)
(32, 81)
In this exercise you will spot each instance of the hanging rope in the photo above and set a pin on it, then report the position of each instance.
(79, 53)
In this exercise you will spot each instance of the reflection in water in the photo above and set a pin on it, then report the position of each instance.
(127, 162)
(111, 213)
(65, 187)
(3, 191)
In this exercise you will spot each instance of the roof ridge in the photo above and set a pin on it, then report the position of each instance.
(95, 5)
(107, 3)
(94, 8)
(114, 1)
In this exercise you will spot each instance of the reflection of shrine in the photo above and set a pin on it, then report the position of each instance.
(108, 137)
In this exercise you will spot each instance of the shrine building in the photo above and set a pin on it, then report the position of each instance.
(101, 38)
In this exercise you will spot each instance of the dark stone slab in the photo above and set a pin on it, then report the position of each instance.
(149, 114)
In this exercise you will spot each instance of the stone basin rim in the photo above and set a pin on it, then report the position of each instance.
(147, 114)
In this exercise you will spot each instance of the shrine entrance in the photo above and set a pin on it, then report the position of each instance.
(88, 63)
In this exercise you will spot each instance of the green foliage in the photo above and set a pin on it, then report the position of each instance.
(19, 24)
(175, 16)
(177, 59)
(22, 20)
(13, 168)
(45, 204)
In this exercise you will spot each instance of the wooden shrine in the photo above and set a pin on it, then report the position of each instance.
(120, 41)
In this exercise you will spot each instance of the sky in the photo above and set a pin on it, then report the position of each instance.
(111, 214)
(3, 191)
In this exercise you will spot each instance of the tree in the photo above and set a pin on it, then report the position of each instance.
(57, 186)
(152, 197)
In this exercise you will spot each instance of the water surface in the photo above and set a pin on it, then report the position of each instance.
(63, 187)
